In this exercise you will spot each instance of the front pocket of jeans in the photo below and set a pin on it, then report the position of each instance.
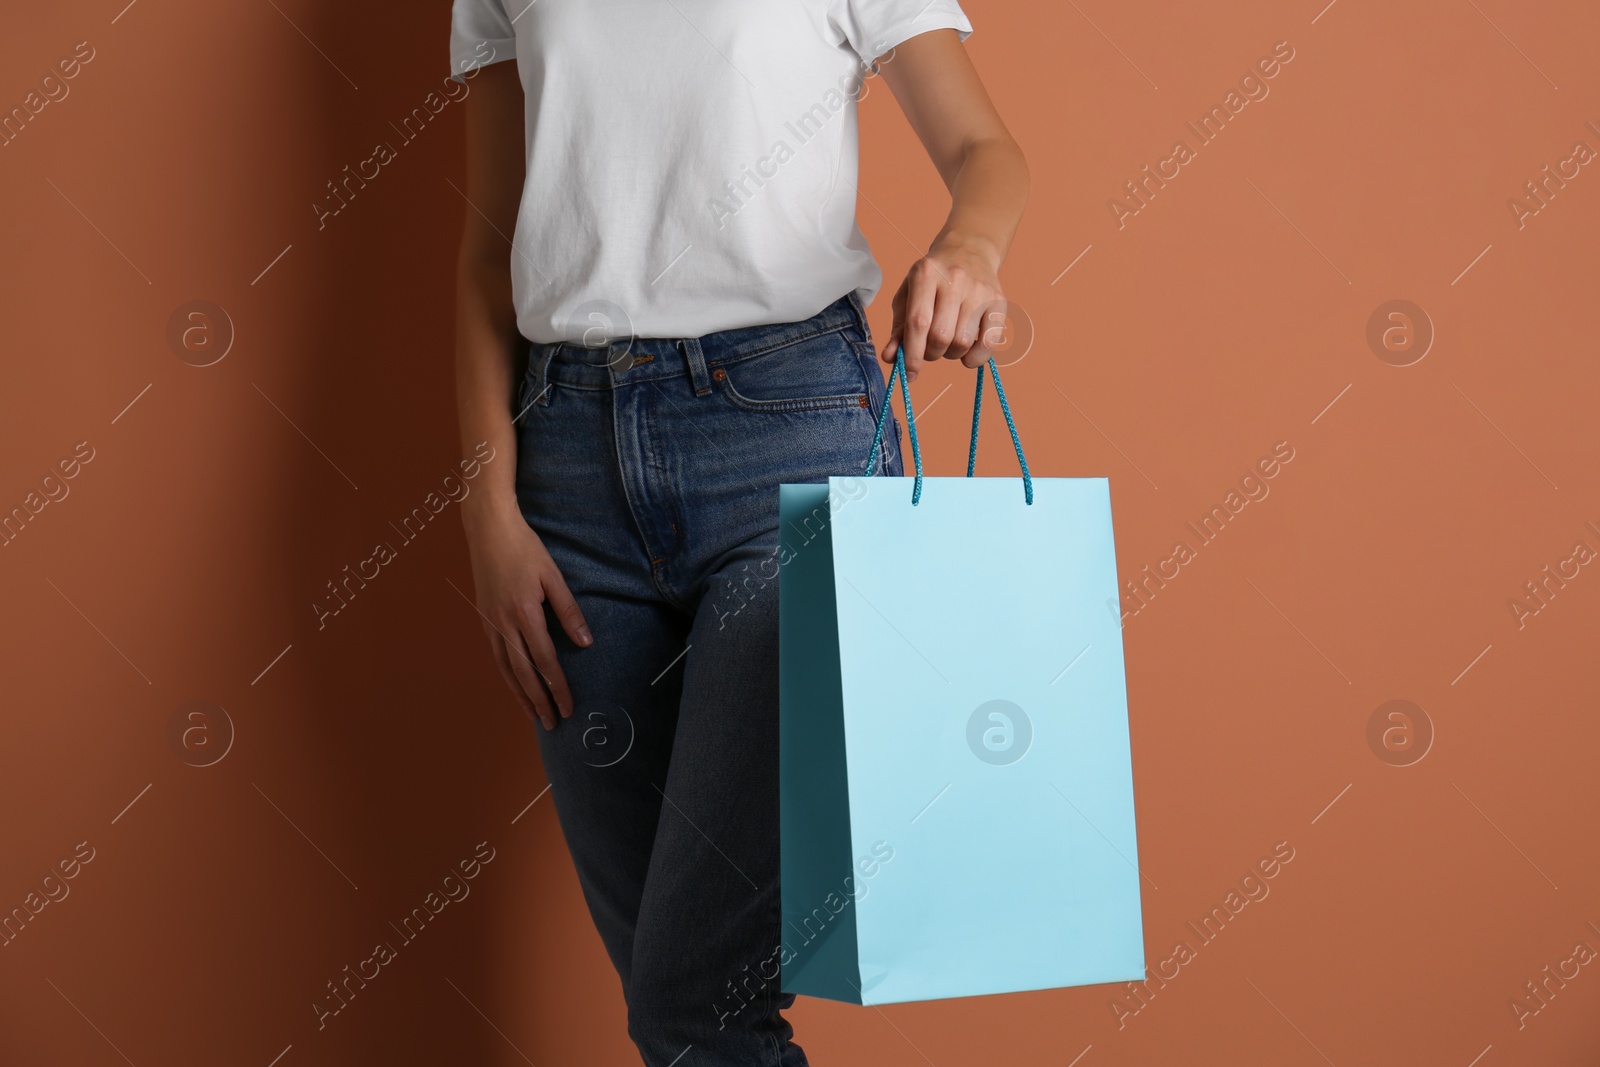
(783, 380)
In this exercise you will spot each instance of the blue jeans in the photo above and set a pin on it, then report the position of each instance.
(650, 470)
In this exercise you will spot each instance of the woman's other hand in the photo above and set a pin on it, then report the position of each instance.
(514, 578)
(512, 573)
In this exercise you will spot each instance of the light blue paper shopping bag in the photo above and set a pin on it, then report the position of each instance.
(956, 779)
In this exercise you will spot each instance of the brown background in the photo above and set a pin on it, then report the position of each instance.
(1228, 315)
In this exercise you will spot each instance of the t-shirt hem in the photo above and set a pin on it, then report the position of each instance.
(465, 63)
(899, 34)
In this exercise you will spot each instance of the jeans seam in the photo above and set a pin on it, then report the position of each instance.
(740, 357)
(838, 402)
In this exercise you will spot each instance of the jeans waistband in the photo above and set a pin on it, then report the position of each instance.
(642, 359)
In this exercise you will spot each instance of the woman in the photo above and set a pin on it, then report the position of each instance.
(675, 329)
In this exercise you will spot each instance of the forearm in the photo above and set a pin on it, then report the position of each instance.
(988, 192)
(487, 364)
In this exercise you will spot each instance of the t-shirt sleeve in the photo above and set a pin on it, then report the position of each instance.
(873, 27)
(480, 34)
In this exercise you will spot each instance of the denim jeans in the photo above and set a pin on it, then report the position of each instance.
(650, 470)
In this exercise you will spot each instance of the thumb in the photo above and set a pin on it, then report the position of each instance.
(887, 355)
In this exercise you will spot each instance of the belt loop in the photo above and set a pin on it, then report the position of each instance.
(861, 313)
(549, 355)
(696, 361)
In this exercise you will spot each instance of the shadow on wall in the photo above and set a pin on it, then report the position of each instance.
(396, 732)
(378, 763)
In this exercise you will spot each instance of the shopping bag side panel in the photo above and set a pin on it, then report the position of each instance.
(818, 947)
(985, 709)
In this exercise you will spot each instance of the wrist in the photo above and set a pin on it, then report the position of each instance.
(978, 245)
(488, 508)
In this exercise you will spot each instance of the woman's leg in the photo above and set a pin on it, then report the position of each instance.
(705, 953)
(705, 989)
(604, 764)
(653, 483)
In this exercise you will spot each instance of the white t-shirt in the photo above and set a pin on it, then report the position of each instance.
(691, 164)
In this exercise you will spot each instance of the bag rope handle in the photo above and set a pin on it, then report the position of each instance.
(899, 371)
(911, 422)
(1011, 424)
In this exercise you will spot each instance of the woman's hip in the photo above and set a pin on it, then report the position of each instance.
(701, 424)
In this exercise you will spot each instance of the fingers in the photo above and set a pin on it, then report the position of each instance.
(947, 325)
(565, 605)
(946, 310)
(528, 678)
(498, 647)
(922, 292)
(516, 581)
(543, 652)
(897, 330)
(990, 320)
